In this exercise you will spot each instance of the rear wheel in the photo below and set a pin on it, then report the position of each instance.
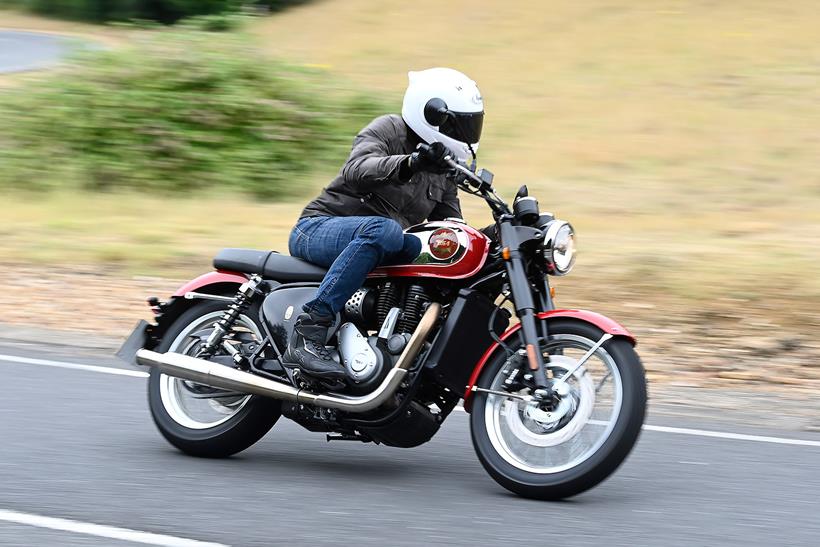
(559, 451)
(198, 419)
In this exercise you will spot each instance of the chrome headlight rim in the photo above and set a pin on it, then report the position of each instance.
(553, 230)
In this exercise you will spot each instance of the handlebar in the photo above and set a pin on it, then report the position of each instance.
(481, 181)
(478, 182)
(470, 175)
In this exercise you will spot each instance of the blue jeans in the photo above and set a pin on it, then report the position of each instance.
(350, 247)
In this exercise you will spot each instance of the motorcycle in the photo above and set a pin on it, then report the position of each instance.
(555, 401)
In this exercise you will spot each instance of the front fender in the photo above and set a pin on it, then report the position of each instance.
(601, 321)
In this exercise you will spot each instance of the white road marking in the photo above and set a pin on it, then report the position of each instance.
(74, 366)
(684, 462)
(727, 435)
(715, 434)
(99, 530)
(647, 427)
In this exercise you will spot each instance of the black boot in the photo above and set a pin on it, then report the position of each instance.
(307, 348)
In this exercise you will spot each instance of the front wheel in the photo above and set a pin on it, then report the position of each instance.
(198, 419)
(557, 451)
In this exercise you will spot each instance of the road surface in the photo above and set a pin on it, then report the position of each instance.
(82, 464)
(20, 50)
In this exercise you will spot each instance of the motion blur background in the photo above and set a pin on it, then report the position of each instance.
(681, 138)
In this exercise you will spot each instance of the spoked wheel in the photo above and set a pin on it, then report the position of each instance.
(201, 420)
(559, 448)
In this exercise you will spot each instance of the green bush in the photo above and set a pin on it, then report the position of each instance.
(164, 11)
(276, 5)
(179, 111)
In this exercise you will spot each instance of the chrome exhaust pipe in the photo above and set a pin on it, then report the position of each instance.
(220, 376)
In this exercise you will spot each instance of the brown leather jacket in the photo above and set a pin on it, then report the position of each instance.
(369, 183)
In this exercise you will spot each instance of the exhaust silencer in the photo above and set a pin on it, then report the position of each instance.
(220, 376)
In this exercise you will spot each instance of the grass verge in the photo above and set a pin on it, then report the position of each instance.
(680, 140)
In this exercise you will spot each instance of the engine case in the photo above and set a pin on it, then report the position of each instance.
(365, 362)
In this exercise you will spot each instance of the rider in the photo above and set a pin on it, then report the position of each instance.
(386, 185)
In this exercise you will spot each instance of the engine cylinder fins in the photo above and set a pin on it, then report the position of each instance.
(414, 304)
(387, 300)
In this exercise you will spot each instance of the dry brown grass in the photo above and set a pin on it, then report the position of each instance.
(681, 137)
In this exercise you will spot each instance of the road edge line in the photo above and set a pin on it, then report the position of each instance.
(647, 427)
(73, 366)
(101, 530)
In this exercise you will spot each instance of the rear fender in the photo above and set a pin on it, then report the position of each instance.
(204, 281)
(601, 321)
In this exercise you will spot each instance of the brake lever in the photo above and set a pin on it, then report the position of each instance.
(460, 168)
(475, 181)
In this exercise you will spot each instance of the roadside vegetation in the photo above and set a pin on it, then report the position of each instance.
(179, 111)
(680, 139)
(161, 11)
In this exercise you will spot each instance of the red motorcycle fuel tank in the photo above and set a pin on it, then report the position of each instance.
(449, 249)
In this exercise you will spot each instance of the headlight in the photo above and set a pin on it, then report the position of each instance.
(559, 247)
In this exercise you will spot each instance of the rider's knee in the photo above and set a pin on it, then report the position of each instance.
(385, 233)
(411, 247)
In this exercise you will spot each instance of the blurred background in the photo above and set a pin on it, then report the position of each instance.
(680, 137)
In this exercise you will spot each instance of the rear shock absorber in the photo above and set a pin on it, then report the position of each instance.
(413, 306)
(226, 322)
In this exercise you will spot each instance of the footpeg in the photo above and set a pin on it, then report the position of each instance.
(347, 437)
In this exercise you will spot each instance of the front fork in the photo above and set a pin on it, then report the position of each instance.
(525, 309)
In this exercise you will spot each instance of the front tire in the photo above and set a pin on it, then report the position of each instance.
(200, 426)
(557, 458)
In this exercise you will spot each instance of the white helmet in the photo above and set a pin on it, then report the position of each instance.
(444, 105)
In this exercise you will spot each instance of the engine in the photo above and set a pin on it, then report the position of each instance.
(395, 311)
(392, 308)
(364, 357)
(370, 306)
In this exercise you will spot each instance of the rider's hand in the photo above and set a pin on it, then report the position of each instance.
(430, 158)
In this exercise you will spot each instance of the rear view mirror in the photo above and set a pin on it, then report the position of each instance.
(435, 112)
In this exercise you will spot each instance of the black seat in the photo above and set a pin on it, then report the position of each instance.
(269, 264)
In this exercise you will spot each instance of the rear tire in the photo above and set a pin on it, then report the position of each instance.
(600, 464)
(253, 419)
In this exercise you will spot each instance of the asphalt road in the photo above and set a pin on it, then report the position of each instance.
(20, 50)
(80, 445)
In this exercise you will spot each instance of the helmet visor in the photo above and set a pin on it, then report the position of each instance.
(463, 126)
